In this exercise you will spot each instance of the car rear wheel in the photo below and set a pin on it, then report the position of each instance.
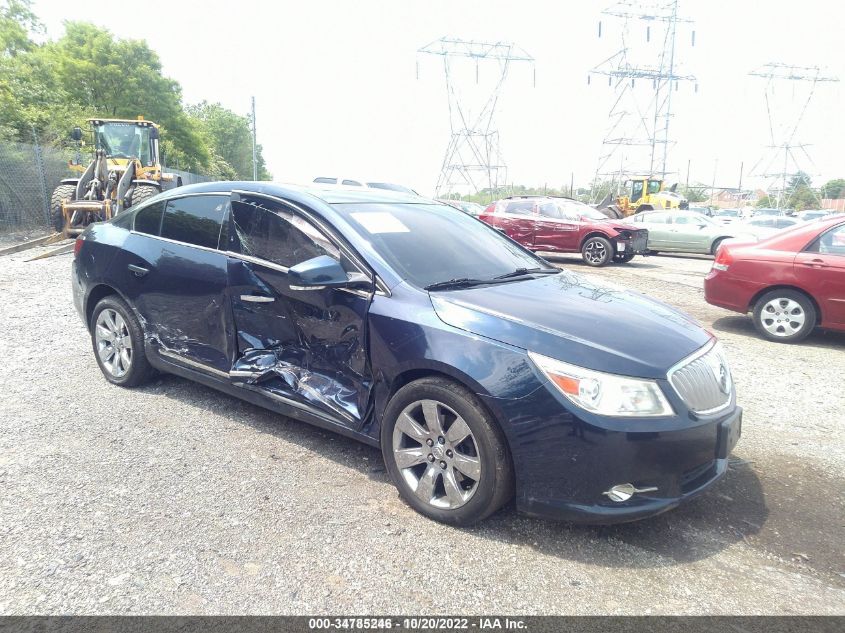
(118, 342)
(597, 251)
(716, 244)
(446, 456)
(786, 316)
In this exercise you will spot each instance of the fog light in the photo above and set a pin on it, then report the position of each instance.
(623, 492)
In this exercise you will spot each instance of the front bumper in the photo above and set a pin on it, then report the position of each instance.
(636, 244)
(676, 488)
(565, 459)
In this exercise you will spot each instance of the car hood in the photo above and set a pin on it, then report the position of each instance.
(579, 320)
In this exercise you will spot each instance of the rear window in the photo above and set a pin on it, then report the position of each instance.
(195, 220)
(148, 219)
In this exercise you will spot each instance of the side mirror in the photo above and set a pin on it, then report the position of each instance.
(76, 134)
(154, 133)
(323, 272)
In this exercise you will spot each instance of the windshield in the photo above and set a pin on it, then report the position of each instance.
(731, 213)
(767, 212)
(430, 243)
(124, 140)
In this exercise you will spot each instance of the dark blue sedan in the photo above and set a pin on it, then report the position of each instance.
(482, 372)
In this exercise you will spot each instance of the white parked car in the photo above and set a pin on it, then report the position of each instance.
(360, 182)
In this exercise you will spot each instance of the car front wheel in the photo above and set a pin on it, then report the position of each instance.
(597, 251)
(449, 461)
(786, 316)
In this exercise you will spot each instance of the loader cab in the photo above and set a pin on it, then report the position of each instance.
(643, 187)
(124, 140)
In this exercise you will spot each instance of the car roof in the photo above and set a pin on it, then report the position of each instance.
(327, 193)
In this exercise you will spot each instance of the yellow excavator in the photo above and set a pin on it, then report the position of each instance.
(125, 171)
(642, 193)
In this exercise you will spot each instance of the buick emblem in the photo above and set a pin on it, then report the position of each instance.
(723, 377)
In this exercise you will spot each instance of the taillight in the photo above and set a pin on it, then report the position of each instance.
(77, 245)
(723, 258)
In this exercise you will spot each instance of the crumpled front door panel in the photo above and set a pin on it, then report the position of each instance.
(308, 346)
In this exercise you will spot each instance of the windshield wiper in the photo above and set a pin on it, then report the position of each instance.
(462, 282)
(519, 272)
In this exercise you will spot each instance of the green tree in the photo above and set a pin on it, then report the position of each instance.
(230, 136)
(834, 188)
(113, 78)
(17, 21)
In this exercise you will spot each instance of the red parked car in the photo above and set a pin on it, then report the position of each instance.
(563, 225)
(791, 282)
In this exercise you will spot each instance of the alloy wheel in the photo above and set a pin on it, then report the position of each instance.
(436, 454)
(782, 317)
(114, 344)
(595, 252)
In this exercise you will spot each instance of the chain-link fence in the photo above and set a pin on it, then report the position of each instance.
(28, 175)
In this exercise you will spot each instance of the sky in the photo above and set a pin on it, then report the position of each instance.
(341, 91)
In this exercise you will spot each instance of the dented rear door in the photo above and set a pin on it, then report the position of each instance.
(308, 347)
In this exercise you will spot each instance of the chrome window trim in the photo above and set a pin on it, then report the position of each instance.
(170, 241)
(191, 363)
(704, 350)
(381, 288)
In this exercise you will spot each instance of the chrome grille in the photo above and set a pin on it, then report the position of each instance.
(703, 380)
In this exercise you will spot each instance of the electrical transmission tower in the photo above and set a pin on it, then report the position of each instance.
(473, 157)
(643, 77)
(783, 129)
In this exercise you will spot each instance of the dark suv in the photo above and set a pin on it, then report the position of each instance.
(483, 374)
(563, 225)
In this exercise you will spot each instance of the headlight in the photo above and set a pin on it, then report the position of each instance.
(605, 394)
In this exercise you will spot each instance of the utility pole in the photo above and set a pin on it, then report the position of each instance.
(254, 153)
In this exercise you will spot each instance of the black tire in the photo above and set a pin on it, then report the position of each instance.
(644, 207)
(652, 252)
(623, 258)
(716, 244)
(142, 193)
(140, 370)
(60, 194)
(495, 486)
(766, 316)
(597, 251)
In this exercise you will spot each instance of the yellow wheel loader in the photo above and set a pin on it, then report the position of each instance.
(125, 171)
(642, 193)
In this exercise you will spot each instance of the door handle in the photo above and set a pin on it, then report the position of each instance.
(257, 299)
(138, 271)
(815, 263)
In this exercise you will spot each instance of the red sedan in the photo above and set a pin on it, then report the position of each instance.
(564, 225)
(791, 282)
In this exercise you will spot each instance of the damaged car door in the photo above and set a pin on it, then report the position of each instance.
(303, 345)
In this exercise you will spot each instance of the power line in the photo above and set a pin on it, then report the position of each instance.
(473, 152)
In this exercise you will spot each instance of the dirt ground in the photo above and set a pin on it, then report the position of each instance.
(176, 499)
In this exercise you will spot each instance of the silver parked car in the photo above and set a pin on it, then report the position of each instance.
(684, 232)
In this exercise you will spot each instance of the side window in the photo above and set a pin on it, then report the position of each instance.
(550, 210)
(831, 242)
(278, 236)
(683, 219)
(520, 207)
(657, 218)
(351, 183)
(326, 181)
(148, 219)
(194, 220)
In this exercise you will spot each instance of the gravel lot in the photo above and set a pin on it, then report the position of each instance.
(174, 498)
